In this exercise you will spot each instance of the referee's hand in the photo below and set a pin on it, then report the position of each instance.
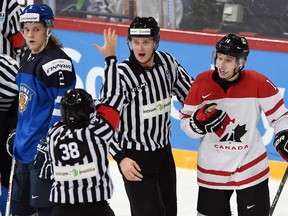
(110, 42)
(130, 170)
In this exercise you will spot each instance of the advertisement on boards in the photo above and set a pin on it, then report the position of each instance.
(195, 58)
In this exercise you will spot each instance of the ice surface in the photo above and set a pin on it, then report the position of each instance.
(187, 194)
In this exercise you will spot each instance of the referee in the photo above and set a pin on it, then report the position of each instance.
(8, 116)
(143, 151)
(11, 38)
(79, 145)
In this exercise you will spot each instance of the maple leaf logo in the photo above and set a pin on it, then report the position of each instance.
(235, 134)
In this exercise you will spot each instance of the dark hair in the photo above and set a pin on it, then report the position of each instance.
(53, 42)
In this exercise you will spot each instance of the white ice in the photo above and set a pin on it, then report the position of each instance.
(187, 194)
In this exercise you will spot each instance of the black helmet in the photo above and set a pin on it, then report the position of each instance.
(144, 27)
(76, 106)
(233, 45)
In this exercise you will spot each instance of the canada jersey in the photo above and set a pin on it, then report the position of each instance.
(234, 157)
(42, 80)
(80, 162)
(145, 119)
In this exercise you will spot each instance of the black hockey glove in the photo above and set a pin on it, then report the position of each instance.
(281, 144)
(41, 161)
(208, 119)
(10, 142)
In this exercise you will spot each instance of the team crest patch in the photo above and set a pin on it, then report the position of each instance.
(25, 95)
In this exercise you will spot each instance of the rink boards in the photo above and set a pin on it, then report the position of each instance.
(193, 51)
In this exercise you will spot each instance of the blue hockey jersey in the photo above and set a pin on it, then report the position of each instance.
(42, 80)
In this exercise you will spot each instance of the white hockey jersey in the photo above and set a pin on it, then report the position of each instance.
(234, 157)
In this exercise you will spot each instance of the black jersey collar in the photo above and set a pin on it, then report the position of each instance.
(224, 83)
(137, 67)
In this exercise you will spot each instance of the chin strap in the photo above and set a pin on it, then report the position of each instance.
(48, 34)
(234, 74)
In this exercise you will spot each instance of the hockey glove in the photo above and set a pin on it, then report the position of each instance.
(10, 142)
(208, 119)
(281, 144)
(41, 161)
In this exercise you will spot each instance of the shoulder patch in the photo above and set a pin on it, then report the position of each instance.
(56, 66)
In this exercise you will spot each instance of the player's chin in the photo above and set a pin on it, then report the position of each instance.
(32, 46)
(223, 74)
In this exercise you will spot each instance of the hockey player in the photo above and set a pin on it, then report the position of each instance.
(143, 152)
(45, 74)
(78, 145)
(223, 108)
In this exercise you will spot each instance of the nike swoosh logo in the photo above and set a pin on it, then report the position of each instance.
(251, 206)
(205, 96)
(34, 197)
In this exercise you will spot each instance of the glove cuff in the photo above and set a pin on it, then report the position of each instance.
(281, 144)
(195, 125)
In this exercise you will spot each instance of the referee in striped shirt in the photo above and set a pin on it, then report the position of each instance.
(8, 113)
(78, 146)
(11, 38)
(143, 151)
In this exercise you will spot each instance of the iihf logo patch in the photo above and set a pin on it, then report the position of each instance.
(2, 15)
(25, 95)
(167, 72)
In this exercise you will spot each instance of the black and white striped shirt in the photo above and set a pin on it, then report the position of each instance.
(8, 88)
(9, 25)
(145, 119)
(79, 153)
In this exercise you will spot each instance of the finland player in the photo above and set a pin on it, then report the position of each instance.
(45, 74)
(79, 145)
(150, 79)
(223, 108)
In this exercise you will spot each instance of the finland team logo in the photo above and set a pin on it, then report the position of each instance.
(25, 95)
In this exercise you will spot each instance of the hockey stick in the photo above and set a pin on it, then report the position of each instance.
(8, 204)
(280, 188)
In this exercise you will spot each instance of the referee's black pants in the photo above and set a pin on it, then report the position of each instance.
(155, 195)
(83, 209)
